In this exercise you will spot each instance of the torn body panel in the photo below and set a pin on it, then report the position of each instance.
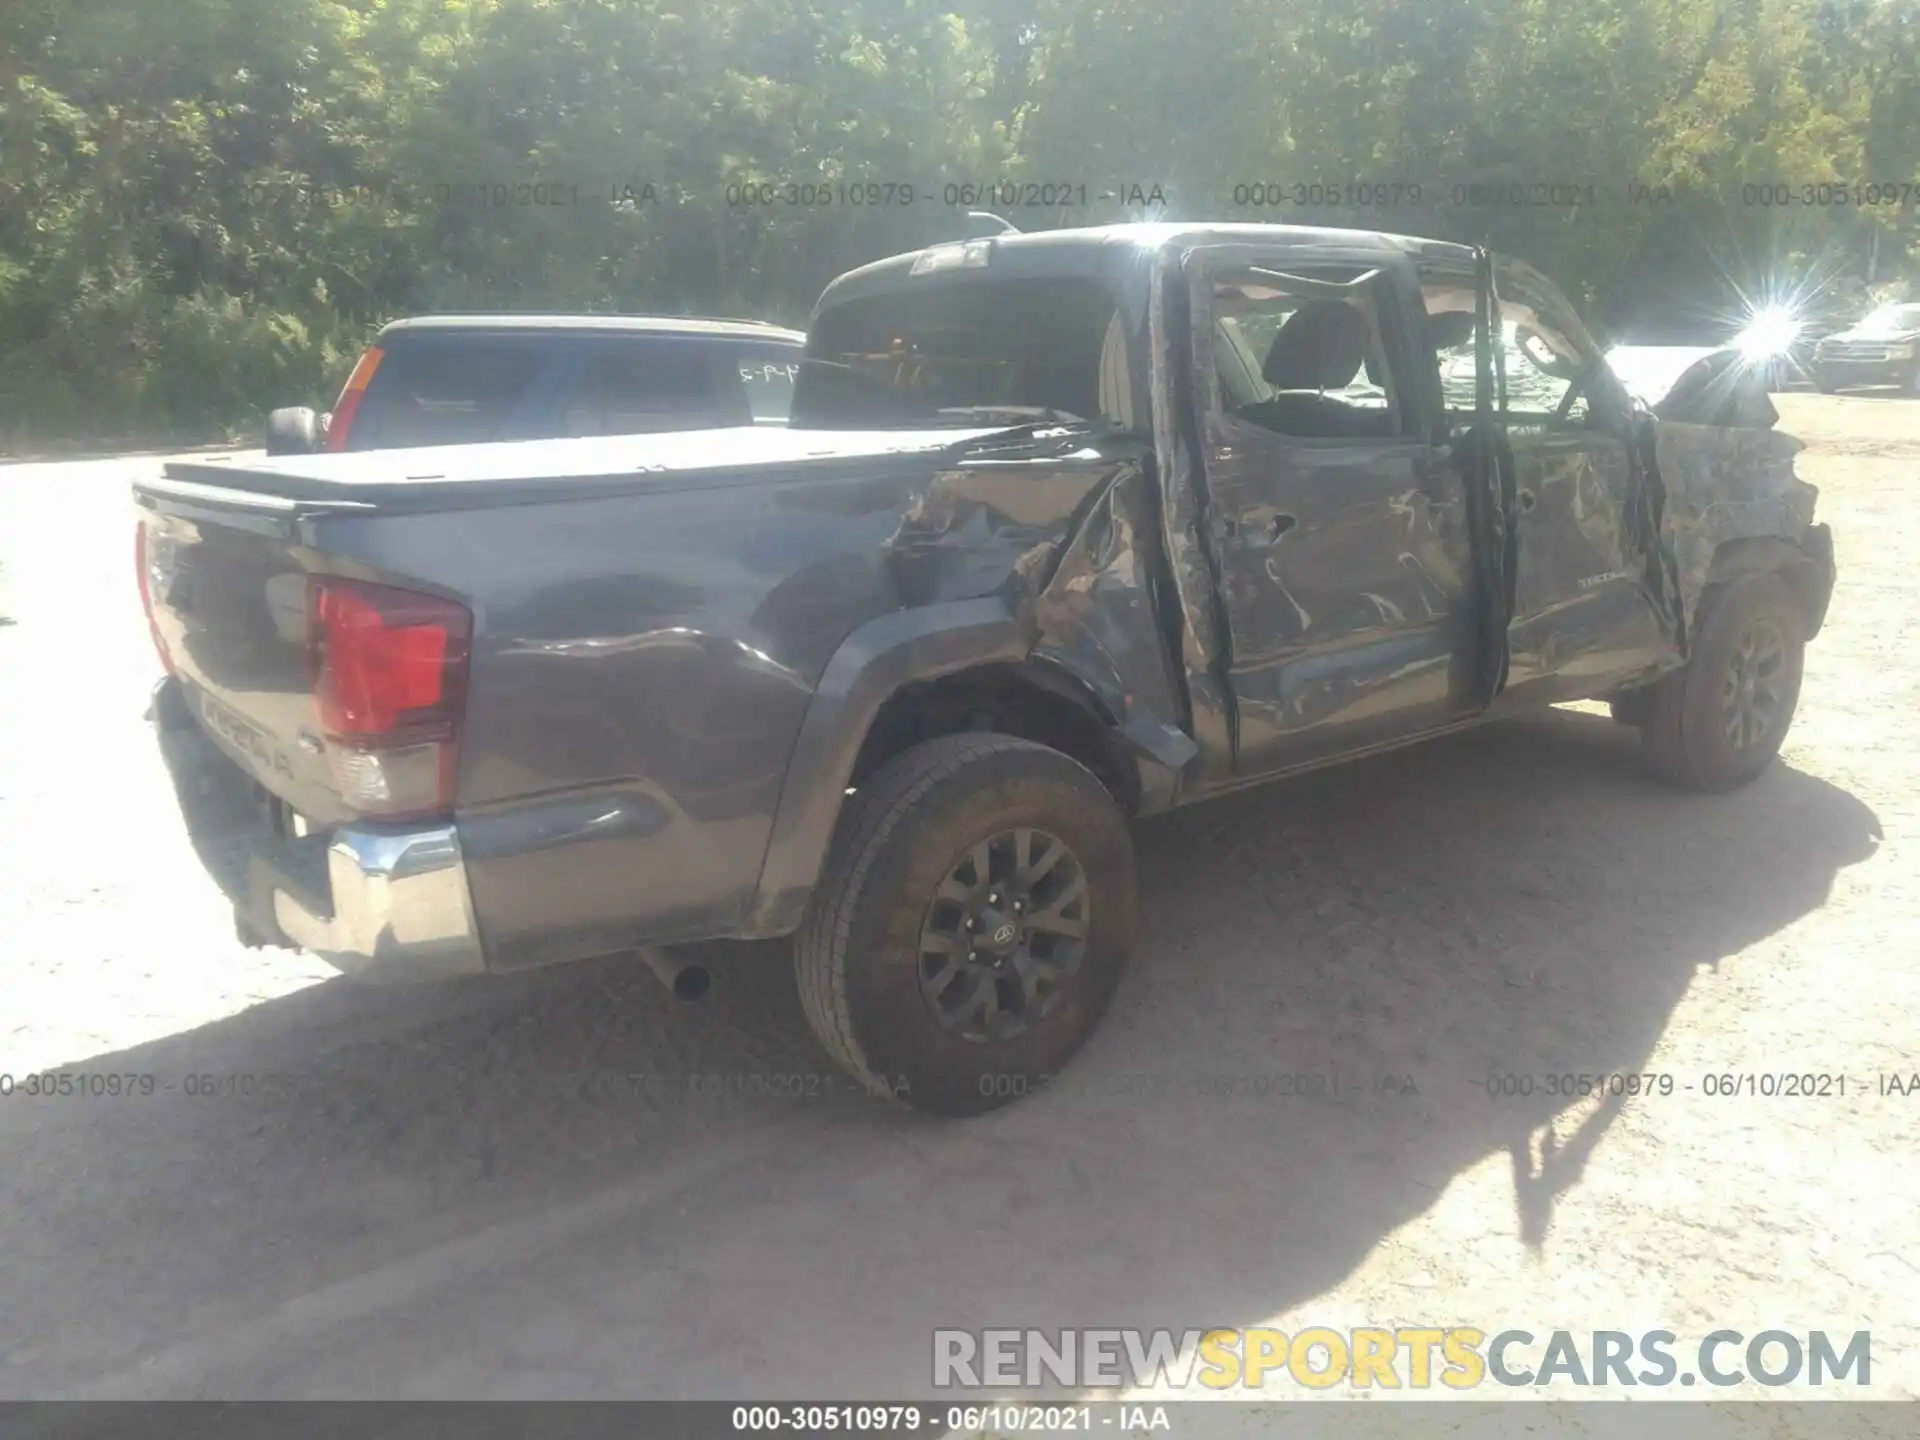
(1185, 522)
(1103, 620)
(1033, 558)
(1714, 476)
(1064, 532)
(1723, 485)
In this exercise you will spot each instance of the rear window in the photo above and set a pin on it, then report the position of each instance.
(645, 389)
(958, 353)
(676, 383)
(444, 391)
(768, 374)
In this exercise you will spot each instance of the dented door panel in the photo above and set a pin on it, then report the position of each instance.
(1581, 617)
(1347, 607)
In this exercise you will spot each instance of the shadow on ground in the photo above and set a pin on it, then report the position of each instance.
(561, 1184)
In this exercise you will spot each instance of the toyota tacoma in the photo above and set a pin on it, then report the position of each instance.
(1066, 529)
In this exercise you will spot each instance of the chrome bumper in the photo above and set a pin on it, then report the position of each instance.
(379, 903)
(400, 908)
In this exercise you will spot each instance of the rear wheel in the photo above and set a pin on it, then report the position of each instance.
(972, 923)
(1719, 722)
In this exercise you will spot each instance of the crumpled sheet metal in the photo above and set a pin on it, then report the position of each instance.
(1101, 620)
(1065, 535)
(1721, 389)
(1200, 624)
(1725, 484)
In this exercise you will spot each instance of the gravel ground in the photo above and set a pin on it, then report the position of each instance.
(459, 1191)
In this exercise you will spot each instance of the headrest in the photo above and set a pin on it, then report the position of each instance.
(1450, 329)
(1319, 348)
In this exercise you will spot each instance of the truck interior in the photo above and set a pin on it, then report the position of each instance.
(1323, 371)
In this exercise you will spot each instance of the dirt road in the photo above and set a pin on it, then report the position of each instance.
(463, 1191)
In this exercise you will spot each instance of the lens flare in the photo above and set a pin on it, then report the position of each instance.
(1769, 331)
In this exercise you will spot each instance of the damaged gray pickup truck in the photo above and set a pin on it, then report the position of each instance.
(1068, 528)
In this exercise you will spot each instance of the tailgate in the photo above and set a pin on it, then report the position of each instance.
(229, 604)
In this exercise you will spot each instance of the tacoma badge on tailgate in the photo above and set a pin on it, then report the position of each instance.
(240, 734)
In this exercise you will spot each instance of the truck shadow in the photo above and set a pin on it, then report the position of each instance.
(1337, 982)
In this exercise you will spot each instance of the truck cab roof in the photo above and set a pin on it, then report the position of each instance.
(1111, 250)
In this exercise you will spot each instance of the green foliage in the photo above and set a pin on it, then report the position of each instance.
(206, 206)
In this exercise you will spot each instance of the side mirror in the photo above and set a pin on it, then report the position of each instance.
(295, 430)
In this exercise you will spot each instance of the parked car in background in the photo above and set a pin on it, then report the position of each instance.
(463, 379)
(1882, 349)
(1771, 342)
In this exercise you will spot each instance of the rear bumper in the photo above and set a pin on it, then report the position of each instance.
(397, 907)
(379, 902)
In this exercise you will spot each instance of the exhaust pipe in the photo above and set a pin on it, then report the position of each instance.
(687, 979)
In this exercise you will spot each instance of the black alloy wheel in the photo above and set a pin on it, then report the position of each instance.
(1005, 929)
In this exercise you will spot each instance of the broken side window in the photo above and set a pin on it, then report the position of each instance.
(1556, 375)
(1299, 361)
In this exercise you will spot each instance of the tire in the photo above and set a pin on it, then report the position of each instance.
(1686, 738)
(861, 956)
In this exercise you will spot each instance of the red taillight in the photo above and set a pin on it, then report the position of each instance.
(388, 669)
(146, 592)
(348, 405)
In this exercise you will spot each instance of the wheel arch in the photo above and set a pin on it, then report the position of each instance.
(916, 675)
(1807, 568)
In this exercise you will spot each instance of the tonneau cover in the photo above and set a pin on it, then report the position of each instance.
(461, 475)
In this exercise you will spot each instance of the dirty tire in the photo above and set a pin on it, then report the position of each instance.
(1685, 737)
(858, 955)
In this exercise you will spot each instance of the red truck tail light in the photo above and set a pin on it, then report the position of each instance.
(146, 592)
(348, 405)
(388, 672)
